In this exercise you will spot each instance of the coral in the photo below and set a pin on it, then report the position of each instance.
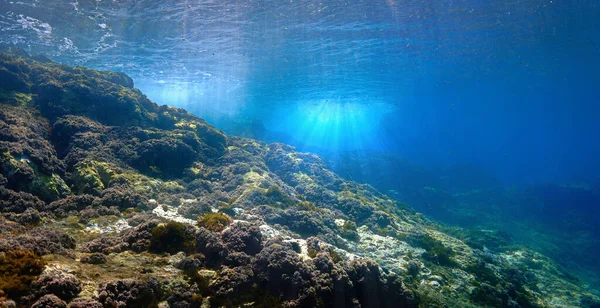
(65, 286)
(215, 222)
(195, 208)
(208, 243)
(49, 301)
(18, 269)
(41, 241)
(101, 96)
(23, 139)
(27, 159)
(8, 228)
(374, 289)
(185, 300)
(137, 239)
(104, 134)
(166, 156)
(242, 237)
(70, 205)
(51, 240)
(30, 217)
(94, 258)
(105, 245)
(234, 259)
(129, 293)
(508, 287)
(191, 264)
(171, 117)
(121, 196)
(367, 279)
(353, 206)
(7, 303)
(172, 237)
(68, 128)
(232, 282)
(381, 219)
(281, 272)
(485, 294)
(18, 202)
(303, 222)
(114, 77)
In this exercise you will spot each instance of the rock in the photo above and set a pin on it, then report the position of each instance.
(129, 293)
(63, 285)
(84, 303)
(95, 258)
(8, 304)
(105, 134)
(243, 237)
(49, 301)
(232, 281)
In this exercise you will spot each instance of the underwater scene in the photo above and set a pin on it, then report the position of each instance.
(299, 153)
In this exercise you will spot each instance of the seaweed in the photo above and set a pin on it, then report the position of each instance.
(171, 238)
(335, 256)
(227, 207)
(349, 231)
(435, 251)
(499, 290)
(484, 294)
(279, 198)
(482, 272)
(215, 222)
(18, 269)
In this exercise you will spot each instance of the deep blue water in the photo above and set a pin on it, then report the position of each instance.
(429, 101)
(509, 86)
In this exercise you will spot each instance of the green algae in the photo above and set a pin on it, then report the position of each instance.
(215, 222)
(335, 256)
(435, 251)
(92, 177)
(349, 231)
(279, 198)
(50, 188)
(16, 98)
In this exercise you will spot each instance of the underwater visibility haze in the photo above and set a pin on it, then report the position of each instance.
(160, 152)
(509, 86)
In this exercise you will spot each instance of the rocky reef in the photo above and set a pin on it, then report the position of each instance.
(557, 220)
(109, 200)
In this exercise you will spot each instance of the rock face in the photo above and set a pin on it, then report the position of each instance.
(107, 187)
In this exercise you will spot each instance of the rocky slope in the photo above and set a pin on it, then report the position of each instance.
(109, 200)
(556, 220)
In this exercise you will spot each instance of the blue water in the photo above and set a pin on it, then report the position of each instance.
(509, 86)
(436, 101)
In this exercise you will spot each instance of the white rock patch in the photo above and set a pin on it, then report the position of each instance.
(170, 213)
